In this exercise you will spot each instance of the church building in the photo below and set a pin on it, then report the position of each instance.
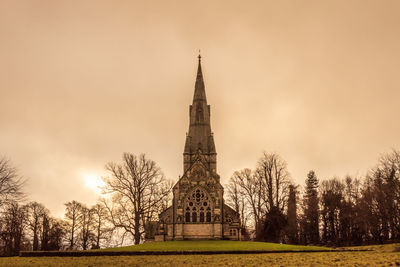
(198, 210)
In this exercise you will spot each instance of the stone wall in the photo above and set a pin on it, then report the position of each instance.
(195, 230)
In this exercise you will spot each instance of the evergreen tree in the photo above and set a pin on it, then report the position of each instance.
(310, 220)
(291, 229)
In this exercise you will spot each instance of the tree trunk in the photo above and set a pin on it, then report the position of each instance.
(137, 228)
(35, 239)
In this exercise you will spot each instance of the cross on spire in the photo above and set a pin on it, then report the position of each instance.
(199, 92)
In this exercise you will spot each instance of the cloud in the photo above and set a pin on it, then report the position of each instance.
(83, 82)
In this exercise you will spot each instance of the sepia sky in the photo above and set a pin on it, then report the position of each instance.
(81, 82)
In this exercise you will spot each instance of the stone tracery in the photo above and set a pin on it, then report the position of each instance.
(198, 207)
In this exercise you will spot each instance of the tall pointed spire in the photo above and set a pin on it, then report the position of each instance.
(199, 91)
(199, 137)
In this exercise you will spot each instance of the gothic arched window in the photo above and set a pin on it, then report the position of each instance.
(187, 215)
(199, 205)
(208, 216)
(201, 216)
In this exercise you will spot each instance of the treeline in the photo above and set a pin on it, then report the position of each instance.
(134, 194)
(334, 211)
(31, 227)
(348, 211)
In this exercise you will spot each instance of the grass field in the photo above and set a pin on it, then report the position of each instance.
(385, 255)
(212, 246)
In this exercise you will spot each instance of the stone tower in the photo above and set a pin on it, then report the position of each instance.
(199, 137)
(198, 210)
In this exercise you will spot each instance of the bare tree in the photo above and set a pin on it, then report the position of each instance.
(101, 230)
(244, 196)
(157, 200)
(37, 216)
(10, 183)
(138, 189)
(272, 170)
(73, 219)
(389, 166)
(12, 223)
(236, 199)
(12, 215)
(86, 226)
(381, 199)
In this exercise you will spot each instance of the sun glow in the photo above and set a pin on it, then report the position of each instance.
(94, 182)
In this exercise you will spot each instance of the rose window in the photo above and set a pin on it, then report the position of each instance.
(197, 208)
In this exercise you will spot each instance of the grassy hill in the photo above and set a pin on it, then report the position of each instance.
(212, 245)
(385, 255)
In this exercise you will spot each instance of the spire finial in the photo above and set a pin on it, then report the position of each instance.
(199, 92)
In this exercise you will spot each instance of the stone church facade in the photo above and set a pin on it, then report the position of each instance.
(198, 210)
